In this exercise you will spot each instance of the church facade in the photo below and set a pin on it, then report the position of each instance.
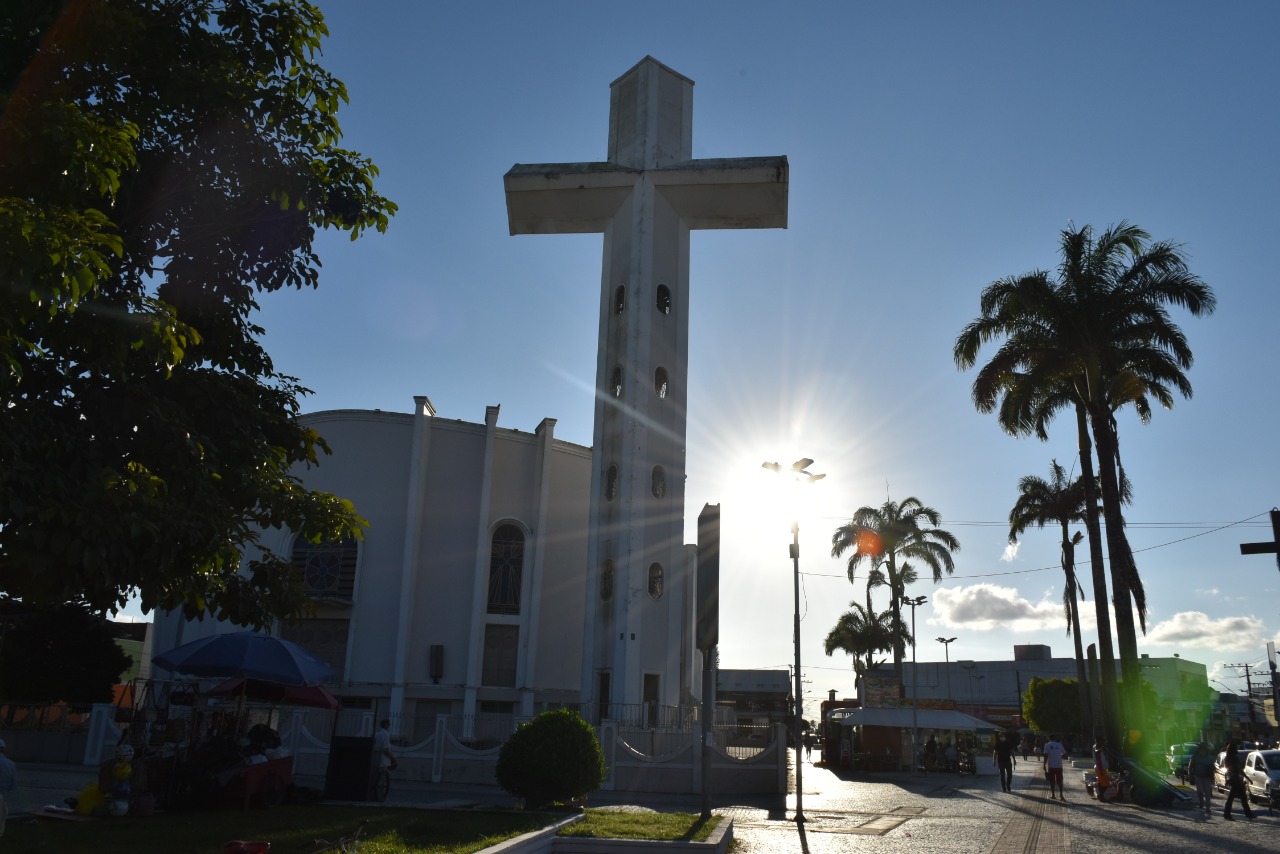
(468, 595)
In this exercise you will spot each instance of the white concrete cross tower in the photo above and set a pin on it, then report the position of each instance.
(645, 199)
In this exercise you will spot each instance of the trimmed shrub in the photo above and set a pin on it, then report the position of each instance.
(554, 757)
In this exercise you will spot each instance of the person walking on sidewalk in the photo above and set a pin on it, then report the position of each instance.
(1201, 763)
(1235, 782)
(1002, 753)
(1053, 753)
(1101, 769)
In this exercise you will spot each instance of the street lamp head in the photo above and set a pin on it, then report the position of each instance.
(799, 469)
(945, 640)
(919, 600)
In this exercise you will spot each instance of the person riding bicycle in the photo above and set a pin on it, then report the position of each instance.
(382, 746)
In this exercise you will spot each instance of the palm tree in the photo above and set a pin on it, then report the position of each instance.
(861, 633)
(888, 536)
(1061, 500)
(1099, 336)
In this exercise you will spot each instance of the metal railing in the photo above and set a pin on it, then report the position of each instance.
(641, 715)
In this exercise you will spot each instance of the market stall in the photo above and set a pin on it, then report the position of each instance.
(879, 739)
(218, 744)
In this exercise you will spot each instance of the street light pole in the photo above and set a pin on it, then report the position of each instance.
(915, 695)
(795, 561)
(946, 647)
(800, 469)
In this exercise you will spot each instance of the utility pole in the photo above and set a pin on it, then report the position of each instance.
(1248, 685)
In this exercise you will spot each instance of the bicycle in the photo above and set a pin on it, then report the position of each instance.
(343, 845)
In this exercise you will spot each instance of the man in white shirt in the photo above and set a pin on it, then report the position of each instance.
(382, 745)
(1053, 753)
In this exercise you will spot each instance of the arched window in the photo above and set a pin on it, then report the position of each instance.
(328, 569)
(611, 483)
(661, 383)
(506, 570)
(664, 299)
(620, 299)
(655, 580)
(615, 381)
(606, 581)
(658, 482)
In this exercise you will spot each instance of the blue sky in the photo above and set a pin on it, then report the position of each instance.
(934, 147)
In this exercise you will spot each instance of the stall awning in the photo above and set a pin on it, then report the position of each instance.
(923, 718)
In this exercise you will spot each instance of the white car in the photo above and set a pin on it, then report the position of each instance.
(1262, 776)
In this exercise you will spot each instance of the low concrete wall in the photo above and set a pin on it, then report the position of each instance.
(442, 758)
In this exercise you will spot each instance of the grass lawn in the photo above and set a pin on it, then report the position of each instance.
(611, 824)
(290, 829)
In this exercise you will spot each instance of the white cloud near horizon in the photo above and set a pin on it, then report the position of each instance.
(987, 607)
(1196, 628)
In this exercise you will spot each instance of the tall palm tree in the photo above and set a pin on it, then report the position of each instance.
(861, 633)
(889, 535)
(1058, 500)
(1099, 335)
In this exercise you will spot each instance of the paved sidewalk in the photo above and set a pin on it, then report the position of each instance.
(954, 814)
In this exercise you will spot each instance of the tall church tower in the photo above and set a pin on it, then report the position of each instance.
(645, 200)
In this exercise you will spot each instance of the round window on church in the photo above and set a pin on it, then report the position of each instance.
(664, 299)
(620, 299)
(655, 580)
(611, 483)
(615, 381)
(606, 581)
(658, 482)
(661, 382)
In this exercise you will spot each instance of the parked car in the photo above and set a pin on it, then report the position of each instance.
(1262, 776)
(1220, 765)
(1178, 756)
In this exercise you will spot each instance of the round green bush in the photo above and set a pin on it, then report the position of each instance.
(554, 757)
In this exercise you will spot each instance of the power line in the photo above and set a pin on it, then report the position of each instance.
(1057, 568)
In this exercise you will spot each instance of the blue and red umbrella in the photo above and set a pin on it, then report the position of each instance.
(248, 655)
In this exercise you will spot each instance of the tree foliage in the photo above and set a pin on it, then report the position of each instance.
(554, 757)
(162, 162)
(862, 633)
(1095, 337)
(886, 537)
(59, 653)
(1052, 706)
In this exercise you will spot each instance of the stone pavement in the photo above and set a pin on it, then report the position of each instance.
(847, 813)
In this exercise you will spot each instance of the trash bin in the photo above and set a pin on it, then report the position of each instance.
(351, 768)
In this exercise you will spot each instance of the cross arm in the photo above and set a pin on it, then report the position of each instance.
(565, 198)
(730, 192)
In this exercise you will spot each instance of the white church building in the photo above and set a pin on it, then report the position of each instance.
(506, 572)
(466, 596)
